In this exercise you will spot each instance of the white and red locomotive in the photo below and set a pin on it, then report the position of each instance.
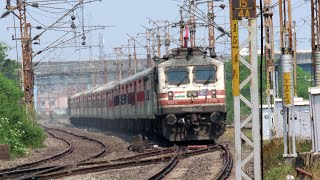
(182, 98)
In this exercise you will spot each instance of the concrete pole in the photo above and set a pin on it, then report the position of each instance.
(167, 38)
(148, 48)
(129, 58)
(105, 72)
(159, 42)
(315, 91)
(287, 78)
(181, 28)
(269, 56)
(135, 56)
(211, 27)
(192, 24)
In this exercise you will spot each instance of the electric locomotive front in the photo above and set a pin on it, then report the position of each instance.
(191, 96)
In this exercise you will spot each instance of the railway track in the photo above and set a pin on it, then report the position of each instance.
(170, 156)
(40, 166)
(223, 174)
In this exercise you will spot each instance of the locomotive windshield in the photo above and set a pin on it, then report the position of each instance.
(177, 75)
(204, 74)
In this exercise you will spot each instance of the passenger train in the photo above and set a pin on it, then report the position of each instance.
(181, 98)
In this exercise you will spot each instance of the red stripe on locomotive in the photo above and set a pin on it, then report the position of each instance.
(189, 102)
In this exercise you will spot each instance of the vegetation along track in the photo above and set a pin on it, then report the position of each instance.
(40, 165)
(169, 155)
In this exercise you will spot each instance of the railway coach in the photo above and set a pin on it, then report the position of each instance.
(181, 98)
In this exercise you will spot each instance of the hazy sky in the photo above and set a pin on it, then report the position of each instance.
(127, 16)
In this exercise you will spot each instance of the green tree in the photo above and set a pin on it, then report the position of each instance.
(303, 83)
(8, 67)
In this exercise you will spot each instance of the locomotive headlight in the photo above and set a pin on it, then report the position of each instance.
(170, 95)
(214, 93)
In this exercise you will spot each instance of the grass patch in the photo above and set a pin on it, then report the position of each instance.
(279, 172)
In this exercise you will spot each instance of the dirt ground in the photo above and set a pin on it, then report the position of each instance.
(117, 147)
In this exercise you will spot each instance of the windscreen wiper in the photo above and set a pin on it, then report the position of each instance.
(181, 81)
(207, 81)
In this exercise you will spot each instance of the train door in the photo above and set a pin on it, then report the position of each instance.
(130, 100)
(116, 103)
(86, 106)
(123, 112)
(136, 100)
(147, 99)
(81, 106)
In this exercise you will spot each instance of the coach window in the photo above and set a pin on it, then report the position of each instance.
(205, 74)
(177, 75)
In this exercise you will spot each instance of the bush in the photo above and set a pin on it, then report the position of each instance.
(16, 129)
(12, 134)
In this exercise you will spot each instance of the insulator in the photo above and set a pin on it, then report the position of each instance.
(36, 37)
(73, 26)
(316, 56)
(36, 5)
(167, 42)
(83, 43)
(5, 14)
(73, 17)
(222, 6)
(182, 24)
(84, 37)
(191, 29)
(38, 27)
(221, 29)
(8, 4)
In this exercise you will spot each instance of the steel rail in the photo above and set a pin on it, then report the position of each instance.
(104, 149)
(227, 164)
(66, 171)
(23, 168)
(138, 156)
(27, 168)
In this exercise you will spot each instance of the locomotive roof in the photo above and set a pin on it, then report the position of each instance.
(197, 56)
(136, 76)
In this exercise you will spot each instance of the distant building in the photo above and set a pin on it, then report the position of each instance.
(55, 81)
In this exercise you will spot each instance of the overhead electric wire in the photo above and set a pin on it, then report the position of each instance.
(63, 42)
(71, 10)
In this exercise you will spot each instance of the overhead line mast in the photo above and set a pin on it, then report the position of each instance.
(27, 69)
(286, 62)
(315, 91)
(269, 56)
(211, 28)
